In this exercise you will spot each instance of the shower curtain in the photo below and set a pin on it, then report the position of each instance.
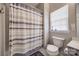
(25, 29)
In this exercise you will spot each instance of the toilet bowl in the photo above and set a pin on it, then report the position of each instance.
(53, 50)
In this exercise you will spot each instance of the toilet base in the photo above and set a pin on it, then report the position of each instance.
(52, 50)
(52, 53)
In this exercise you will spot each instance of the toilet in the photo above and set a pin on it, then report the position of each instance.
(53, 50)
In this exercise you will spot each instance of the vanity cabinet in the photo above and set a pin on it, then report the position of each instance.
(73, 48)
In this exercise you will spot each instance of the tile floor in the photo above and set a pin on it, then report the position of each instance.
(44, 52)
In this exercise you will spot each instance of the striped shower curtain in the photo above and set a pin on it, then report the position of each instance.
(25, 29)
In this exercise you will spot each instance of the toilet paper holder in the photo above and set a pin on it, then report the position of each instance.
(1, 10)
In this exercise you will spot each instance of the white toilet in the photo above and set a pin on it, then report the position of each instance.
(53, 50)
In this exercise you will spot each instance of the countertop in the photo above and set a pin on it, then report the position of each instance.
(74, 44)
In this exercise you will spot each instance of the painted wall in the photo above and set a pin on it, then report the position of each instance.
(77, 17)
(4, 38)
(46, 24)
(2, 31)
(72, 20)
(41, 6)
(55, 6)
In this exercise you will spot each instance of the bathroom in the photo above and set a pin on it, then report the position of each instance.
(39, 29)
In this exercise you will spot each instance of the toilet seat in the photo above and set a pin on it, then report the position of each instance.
(52, 50)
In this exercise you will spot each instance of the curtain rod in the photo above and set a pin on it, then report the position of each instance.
(26, 5)
(34, 8)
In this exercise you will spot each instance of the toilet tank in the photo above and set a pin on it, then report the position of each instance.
(59, 42)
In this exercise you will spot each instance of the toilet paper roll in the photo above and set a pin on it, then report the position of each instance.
(66, 51)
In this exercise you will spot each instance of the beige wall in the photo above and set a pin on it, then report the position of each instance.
(2, 32)
(41, 6)
(77, 17)
(55, 6)
(72, 19)
(46, 24)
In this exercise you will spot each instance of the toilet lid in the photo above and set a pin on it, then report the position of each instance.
(52, 48)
